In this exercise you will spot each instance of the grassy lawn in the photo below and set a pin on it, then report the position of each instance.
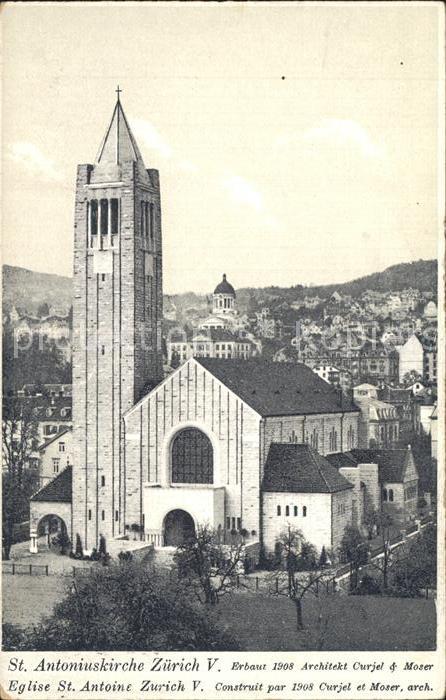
(268, 623)
(28, 598)
(367, 623)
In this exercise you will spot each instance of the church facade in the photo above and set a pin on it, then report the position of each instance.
(159, 456)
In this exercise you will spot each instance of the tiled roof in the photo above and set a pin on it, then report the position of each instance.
(392, 395)
(60, 407)
(298, 468)
(278, 388)
(58, 490)
(391, 463)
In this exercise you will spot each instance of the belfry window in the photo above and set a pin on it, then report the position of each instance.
(94, 217)
(104, 216)
(192, 458)
(114, 216)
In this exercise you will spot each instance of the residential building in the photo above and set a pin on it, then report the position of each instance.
(410, 357)
(55, 454)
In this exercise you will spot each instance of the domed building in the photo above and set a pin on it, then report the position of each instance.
(217, 336)
(223, 307)
(224, 297)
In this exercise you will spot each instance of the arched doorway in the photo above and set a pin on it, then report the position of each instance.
(52, 533)
(178, 527)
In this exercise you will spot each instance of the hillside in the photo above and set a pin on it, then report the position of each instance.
(27, 289)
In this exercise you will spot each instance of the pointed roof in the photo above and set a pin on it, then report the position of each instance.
(58, 490)
(297, 468)
(119, 145)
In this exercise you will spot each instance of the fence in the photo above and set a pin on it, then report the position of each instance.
(276, 585)
(14, 569)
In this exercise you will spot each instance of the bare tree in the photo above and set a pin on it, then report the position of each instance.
(294, 581)
(210, 566)
(384, 561)
(354, 550)
(19, 436)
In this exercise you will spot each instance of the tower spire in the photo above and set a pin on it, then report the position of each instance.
(119, 144)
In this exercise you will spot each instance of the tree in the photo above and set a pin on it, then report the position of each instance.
(102, 546)
(383, 562)
(411, 378)
(295, 582)
(353, 549)
(19, 435)
(209, 566)
(371, 522)
(415, 566)
(175, 360)
(78, 552)
(323, 559)
(128, 606)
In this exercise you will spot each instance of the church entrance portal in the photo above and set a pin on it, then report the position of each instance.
(178, 527)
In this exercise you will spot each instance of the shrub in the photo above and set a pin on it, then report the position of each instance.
(129, 607)
(102, 546)
(367, 586)
(78, 552)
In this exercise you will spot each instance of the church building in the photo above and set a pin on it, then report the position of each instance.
(237, 444)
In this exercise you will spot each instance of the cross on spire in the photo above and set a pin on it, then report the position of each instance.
(118, 91)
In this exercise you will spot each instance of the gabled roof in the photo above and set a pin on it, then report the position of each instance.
(278, 388)
(298, 468)
(58, 435)
(119, 145)
(391, 463)
(58, 490)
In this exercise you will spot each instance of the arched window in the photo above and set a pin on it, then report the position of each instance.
(384, 494)
(391, 495)
(333, 440)
(314, 440)
(192, 458)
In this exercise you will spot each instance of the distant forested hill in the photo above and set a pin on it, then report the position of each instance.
(27, 289)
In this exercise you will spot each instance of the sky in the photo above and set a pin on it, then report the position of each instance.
(296, 143)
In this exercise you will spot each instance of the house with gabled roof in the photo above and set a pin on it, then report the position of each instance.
(301, 489)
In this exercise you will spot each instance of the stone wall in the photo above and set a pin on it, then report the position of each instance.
(315, 526)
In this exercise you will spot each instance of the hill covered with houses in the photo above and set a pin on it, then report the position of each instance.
(27, 289)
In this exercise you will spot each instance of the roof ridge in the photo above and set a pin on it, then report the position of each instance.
(51, 481)
(315, 458)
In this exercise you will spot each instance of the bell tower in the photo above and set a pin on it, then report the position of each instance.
(117, 355)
